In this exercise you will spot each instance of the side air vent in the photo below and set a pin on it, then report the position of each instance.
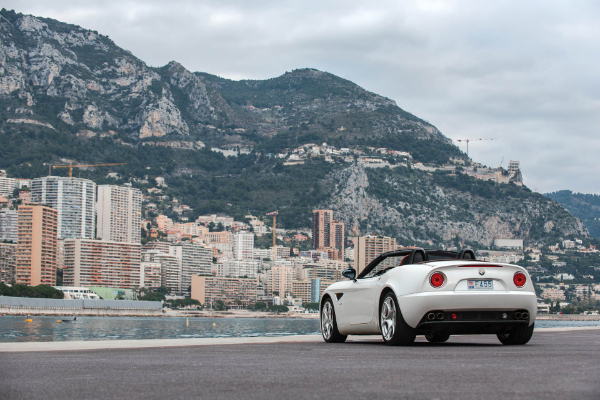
(339, 295)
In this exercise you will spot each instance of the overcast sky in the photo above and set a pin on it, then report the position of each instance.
(524, 73)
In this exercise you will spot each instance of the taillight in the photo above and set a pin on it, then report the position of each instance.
(436, 279)
(519, 279)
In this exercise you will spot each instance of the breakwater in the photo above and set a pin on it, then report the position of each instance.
(567, 317)
(98, 308)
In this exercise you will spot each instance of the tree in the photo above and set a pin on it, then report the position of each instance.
(219, 305)
(311, 306)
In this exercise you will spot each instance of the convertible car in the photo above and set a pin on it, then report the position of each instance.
(405, 293)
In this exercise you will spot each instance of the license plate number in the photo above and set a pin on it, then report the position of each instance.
(481, 285)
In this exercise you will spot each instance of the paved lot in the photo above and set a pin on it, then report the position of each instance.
(555, 365)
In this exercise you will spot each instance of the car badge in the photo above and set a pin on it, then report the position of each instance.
(481, 271)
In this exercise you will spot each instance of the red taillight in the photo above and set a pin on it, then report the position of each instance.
(436, 279)
(454, 316)
(519, 279)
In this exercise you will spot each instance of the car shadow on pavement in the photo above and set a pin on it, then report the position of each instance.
(427, 344)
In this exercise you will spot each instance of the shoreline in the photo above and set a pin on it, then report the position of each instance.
(6, 347)
(231, 314)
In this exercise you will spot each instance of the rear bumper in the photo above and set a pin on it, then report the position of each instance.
(414, 306)
(468, 328)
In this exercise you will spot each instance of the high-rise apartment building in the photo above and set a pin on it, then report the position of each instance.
(310, 290)
(119, 214)
(232, 291)
(338, 238)
(328, 234)
(239, 268)
(37, 245)
(195, 259)
(8, 262)
(74, 199)
(7, 186)
(170, 272)
(367, 248)
(279, 279)
(322, 228)
(243, 245)
(8, 225)
(101, 263)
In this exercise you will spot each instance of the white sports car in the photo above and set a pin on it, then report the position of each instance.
(434, 293)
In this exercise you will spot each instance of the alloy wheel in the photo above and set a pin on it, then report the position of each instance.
(388, 318)
(327, 320)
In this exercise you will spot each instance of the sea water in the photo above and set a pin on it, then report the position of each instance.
(45, 329)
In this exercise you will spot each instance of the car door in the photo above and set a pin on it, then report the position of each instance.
(360, 300)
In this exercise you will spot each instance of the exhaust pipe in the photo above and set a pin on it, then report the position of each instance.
(518, 315)
(525, 315)
(440, 315)
(431, 316)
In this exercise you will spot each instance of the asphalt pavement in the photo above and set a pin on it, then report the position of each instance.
(554, 365)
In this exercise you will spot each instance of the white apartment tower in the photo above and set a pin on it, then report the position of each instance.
(243, 245)
(195, 259)
(74, 199)
(119, 214)
(8, 225)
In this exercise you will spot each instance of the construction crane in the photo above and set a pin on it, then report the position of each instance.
(501, 161)
(274, 214)
(71, 166)
(471, 140)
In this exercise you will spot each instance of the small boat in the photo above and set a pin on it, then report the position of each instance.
(70, 320)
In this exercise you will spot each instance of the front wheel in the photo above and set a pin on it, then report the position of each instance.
(520, 335)
(394, 329)
(329, 327)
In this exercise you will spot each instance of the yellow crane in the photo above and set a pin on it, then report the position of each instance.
(274, 214)
(71, 166)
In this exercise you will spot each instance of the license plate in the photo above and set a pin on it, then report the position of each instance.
(481, 285)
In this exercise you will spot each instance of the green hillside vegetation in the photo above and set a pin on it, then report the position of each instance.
(584, 206)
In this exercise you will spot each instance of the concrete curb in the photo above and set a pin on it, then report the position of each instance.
(153, 343)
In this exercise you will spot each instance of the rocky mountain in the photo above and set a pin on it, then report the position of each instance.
(67, 93)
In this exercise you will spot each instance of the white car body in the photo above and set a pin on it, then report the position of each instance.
(357, 302)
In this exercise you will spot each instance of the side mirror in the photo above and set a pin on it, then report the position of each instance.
(350, 273)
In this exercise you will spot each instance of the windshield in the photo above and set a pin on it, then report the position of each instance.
(387, 264)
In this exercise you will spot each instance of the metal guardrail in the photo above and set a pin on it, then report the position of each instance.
(25, 302)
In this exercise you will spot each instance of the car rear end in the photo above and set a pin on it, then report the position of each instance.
(469, 297)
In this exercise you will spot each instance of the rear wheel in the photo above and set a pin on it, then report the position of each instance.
(329, 327)
(520, 335)
(394, 329)
(437, 338)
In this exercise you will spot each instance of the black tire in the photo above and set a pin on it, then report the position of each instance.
(402, 334)
(518, 336)
(330, 332)
(437, 338)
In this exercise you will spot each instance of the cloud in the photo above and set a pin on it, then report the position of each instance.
(521, 72)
